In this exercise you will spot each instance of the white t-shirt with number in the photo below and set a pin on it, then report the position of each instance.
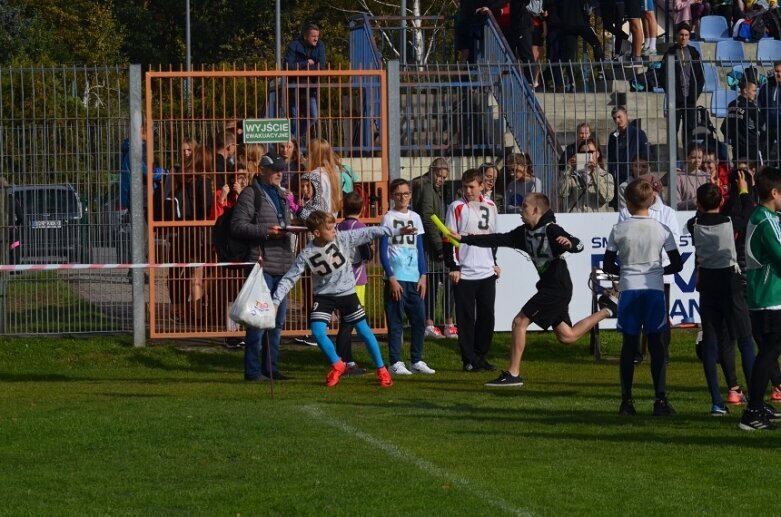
(403, 249)
(473, 218)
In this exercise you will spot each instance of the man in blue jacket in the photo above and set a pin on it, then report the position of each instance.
(307, 52)
(625, 144)
(769, 102)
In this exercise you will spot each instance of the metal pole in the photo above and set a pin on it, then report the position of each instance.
(403, 43)
(137, 208)
(278, 35)
(394, 121)
(672, 135)
(187, 82)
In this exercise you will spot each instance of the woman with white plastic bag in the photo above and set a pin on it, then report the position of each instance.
(266, 229)
(253, 306)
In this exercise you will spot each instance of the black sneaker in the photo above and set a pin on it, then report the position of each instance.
(354, 369)
(663, 408)
(485, 365)
(627, 408)
(638, 358)
(233, 343)
(609, 302)
(771, 412)
(506, 379)
(306, 340)
(473, 368)
(755, 420)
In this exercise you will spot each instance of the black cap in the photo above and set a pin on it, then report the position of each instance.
(273, 161)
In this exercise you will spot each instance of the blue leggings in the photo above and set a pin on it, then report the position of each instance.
(362, 328)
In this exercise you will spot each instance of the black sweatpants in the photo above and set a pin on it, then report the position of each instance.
(475, 317)
(766, 326)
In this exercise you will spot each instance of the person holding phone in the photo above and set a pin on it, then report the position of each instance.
(586, 187)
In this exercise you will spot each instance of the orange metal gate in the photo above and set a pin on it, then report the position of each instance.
(204, 111)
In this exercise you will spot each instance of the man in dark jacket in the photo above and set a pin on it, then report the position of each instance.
(471, 18)
(689, 80)
(769, 102)
(742, 126)
(307, 52)
(625, 144)
(266, 229)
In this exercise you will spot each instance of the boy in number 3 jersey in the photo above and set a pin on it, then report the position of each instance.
(334, 287)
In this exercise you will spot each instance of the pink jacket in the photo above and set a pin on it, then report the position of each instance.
(681, 11)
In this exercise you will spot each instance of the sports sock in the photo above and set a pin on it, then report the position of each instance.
(325, 344)
(370, 341)
(627, 365)
(658, 366)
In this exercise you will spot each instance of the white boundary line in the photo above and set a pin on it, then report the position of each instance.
(429, 468)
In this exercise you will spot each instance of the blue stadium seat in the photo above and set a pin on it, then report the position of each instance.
(696, 44)
(714, 28)
(720, 100)
(729, 53)
(768, 51)
(711, 77)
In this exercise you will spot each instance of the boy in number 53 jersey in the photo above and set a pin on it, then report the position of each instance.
(326, 256)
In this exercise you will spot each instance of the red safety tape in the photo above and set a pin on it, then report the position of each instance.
(55, 267)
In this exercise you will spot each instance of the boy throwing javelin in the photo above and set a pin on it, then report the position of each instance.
(545, 242)
(334, 287)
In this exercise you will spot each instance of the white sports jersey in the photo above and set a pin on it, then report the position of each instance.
(473, 218)
(640, 243)
(402, 249)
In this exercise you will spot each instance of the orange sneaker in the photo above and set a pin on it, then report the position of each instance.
(336, 371)
(775, 395)
(385, 378)
(736, 396)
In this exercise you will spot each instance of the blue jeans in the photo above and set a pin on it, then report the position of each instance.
(303, 111)
(256, 356)
(412, 305)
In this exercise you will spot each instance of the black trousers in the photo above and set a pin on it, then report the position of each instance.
(769, 344)
(475, 317)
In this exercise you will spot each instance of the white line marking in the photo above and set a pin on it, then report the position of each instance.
(425, 466)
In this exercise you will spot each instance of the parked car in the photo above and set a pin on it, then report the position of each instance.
(52, 228)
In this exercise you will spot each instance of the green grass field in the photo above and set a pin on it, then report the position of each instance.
(94, 426)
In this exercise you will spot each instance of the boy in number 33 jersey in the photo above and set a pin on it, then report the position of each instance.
(326, 256)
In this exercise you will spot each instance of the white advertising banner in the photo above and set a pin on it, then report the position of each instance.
(519, 277)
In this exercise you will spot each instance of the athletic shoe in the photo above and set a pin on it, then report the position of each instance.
(384, 377)
(434, 332)
(609, 302)
(473, 368)
(451, 331)
(399, 368)
(718, 410)
(306, 340)
(627, 408)
(487, 366)
(506, 379)
(736, 396)
(755, 420)
(234, 343)
(638, 358)
(354, 369)
(336, 371)
(663, 408)
(422, 367)
(771, 412)
(280, 377)
(775, 394)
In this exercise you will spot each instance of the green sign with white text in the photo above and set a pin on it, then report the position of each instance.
(266, 130)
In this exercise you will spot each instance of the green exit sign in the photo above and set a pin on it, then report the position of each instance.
(266, 130)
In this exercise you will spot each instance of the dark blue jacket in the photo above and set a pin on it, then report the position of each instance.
(769, 102)
(623, 148)
(298, 53)
(124, 173)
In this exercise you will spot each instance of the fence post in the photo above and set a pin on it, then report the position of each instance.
(137, 208)
(394, 120)
(672, 135)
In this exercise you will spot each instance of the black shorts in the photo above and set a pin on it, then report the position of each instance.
(548, 309)
(537, 39)
(349, 307)
(633, 9)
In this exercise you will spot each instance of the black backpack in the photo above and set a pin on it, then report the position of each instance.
(772, 19)
(228, 247)
(703, 125)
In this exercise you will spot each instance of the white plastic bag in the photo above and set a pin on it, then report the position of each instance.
(253, 306)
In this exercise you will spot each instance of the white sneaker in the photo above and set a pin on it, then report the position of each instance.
(434, 332)
(421, 367)
(399, 368)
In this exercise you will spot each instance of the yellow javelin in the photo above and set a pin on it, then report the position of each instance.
(444, 229)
